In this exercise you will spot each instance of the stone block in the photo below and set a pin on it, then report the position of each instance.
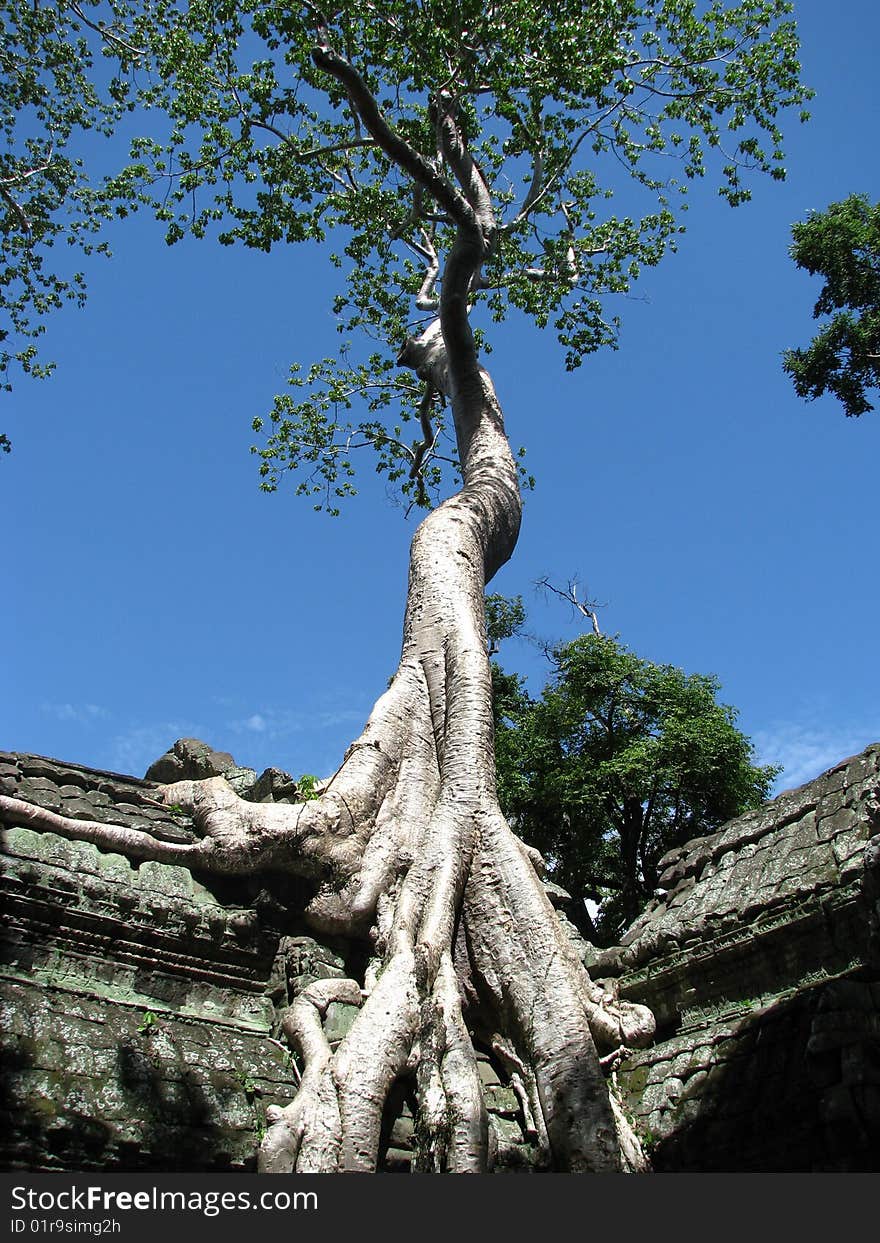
(39, 790)
(398, 1161)
(189, 759)
(338, 1021)
(487, 1072)
(273, 786)
(402, 1133)
(242, 780)
(506, 1130)
(681, 1065)
(500, 1100)
(696, 1085)
(840, 821)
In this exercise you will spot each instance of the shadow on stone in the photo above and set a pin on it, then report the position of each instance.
(796, 1087)
(178, 1115)
(39, 1133)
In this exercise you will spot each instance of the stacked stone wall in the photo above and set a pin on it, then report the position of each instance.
(141, 1005)
(759, 959)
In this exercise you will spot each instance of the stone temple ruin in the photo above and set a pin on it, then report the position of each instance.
(140, 1006)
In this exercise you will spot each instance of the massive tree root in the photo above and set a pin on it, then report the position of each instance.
(408, 849)
(412, 853)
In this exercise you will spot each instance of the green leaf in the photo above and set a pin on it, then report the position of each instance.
(842, 245)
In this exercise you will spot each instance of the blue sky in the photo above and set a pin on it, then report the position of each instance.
(151, 591)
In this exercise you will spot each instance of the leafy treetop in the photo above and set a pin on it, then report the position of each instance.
(263, 124)
(842, 245)
(619, 760)
(505, 617)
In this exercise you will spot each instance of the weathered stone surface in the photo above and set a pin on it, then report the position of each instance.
(92, 1083)
(132, 996)
(338, 1021)
(871, 896)
(502, 1101)
(761, 967)
(397, 1161)
(274, 786)
(140, 1006)
(487, 1072)
(190, 759)
(560, 897)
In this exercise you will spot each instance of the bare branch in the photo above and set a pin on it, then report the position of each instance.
(426, 299)
(572, 275)
(20, 178)
(535, 186)
(317, 152)
(586, 608)
(541, 192)
(537, 179)
(428, 433)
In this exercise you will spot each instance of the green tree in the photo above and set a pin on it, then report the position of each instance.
(465, 158)
(619, 760)
(842, 245)
(505, 617)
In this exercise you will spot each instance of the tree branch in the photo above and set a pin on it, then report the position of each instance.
(586, 608)
(16, 208)
(429, 436)
(468, 175)
(426, 299)
(105, 32)
(395, 147)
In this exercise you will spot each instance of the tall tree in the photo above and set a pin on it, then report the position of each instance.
(455, 150)
(842, 245)
(619, 760)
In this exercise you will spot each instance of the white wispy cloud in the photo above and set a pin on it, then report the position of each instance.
(300, 739)
(270, 722)
(807, 749)
(82, 714)
(282, 722)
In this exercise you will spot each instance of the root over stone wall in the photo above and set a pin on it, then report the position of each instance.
(133, 996)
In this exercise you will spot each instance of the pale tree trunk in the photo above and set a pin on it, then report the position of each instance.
(409, 849)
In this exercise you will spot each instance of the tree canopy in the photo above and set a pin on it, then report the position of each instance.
(270, 124)
(617, 761)
(842, 245)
